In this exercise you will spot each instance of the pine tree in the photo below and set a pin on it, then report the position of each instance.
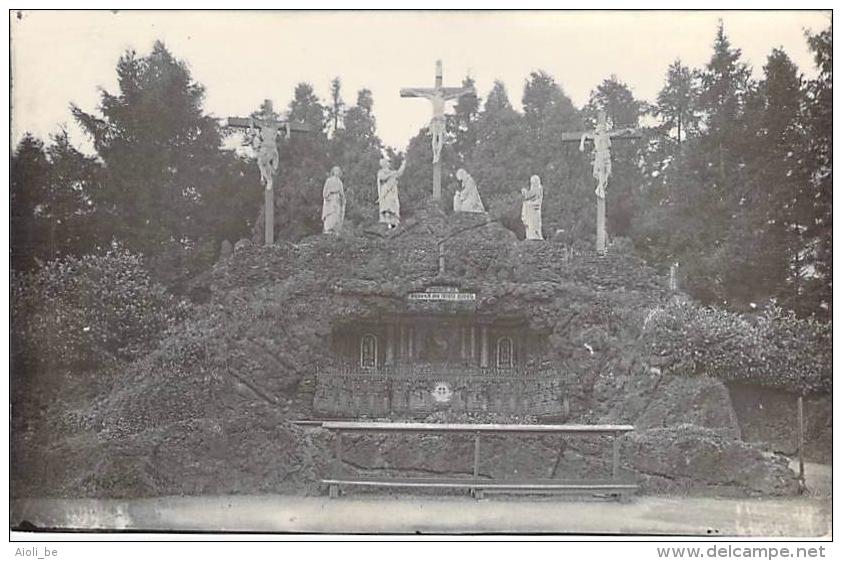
(676, 103)
(28, 180)
(462, 125)
(725, 83)
(76, 222)
(336, 109)
(818, 290)
(52, 193)
(357, 149)
(713, 169)
(499, 162)
(160, 154)
(303, 169)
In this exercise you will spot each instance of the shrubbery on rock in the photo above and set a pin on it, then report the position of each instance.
(79, 313)
(775, 349)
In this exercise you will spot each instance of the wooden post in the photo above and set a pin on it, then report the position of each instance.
(437, 181)
(333, 488)
(476, 455)
(600, 224)
(338, 463)
(615, 461)
(269, 222)
(801, 482)
(478, 493)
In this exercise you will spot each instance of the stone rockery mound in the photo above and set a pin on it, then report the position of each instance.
(208, 411)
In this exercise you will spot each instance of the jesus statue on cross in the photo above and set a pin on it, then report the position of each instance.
(602, 138)
(438, 95)
(265, 144)
(602, 154)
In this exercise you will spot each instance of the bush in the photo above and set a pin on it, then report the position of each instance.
(775, 349)
(83, 312)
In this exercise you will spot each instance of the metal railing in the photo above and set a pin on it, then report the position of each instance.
(338, 428)
(414, 371)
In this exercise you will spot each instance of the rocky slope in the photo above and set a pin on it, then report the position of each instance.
(208, 411)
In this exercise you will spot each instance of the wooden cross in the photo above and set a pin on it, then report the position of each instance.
(268, 158)
(438, 95)
(602, 164)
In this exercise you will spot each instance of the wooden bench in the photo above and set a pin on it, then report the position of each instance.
(477, 485)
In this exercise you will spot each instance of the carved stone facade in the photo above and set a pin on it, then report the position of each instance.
(438, 354)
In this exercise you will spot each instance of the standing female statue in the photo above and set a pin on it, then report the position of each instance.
(530, 212)
(333, 207)
(387, 193)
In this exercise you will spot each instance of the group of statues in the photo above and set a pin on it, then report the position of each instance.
(466, 199)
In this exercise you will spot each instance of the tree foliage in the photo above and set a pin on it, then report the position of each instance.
(774, 349)
(743, 203)
(162, 164)
(733, 182)
(83, 312)
(676, 105)
(52, 193)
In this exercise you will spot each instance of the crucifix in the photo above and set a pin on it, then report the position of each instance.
(438, 95)
(601, 137)
(266, 148)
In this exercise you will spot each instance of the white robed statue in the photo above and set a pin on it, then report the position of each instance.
(468, 199)
(333, 207)
(387, 193)
(530, 212)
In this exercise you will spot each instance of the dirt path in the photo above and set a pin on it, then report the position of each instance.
(794, 517)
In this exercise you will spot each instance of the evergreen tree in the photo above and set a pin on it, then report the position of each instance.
(160, 154)
(817, 294)
(694, 205)
(547, 112)
(52, 208)
(303, 169)
(499, 162)
(725, 83)
(28, 180)
(336, 110)
(416, 184)
(569, 204)
(462, 125)
(676, 103)
(357, 149)
(765, 236)
(75, 221)
(715, 170)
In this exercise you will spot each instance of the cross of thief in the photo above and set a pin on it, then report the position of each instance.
(601, 137)
(267, 155)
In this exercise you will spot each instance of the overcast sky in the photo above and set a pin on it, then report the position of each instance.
(245, 57)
